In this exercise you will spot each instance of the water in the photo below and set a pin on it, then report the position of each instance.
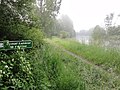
(83, 39)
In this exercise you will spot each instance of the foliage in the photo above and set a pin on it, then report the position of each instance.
(53, 71)
(108, 59)
(65, 24)
(48, 10)
(108, 20)
(90, 77)
(112, 31)
(36, 36)
(15, 71)
(64, 34)
(98, 35)
(18, 16)
(50, 6)
(13, 13)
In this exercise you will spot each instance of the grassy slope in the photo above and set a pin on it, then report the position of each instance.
(107, 59)
(92, 79)
(54, 70)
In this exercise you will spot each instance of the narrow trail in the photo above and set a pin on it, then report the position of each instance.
(116, 76)
(90, 63)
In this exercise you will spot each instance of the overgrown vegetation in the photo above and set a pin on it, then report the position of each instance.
(15, 71)
(54, 71)
(105, 58)
(21, 19)
(47, 66)
(107, 36)
(89, 77)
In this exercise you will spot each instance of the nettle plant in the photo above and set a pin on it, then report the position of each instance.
(15, 71)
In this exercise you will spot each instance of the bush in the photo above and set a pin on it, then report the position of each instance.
(15, 71)
(16, 32)
(64, 34)
(36, 36)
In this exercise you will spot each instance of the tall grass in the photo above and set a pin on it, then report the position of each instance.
(85, 76)
(108, 59)
(52, 70)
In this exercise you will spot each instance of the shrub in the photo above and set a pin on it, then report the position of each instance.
(36, 36)
(15, 71)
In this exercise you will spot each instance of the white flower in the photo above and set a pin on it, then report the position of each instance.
(6, 66)
(3, 72)
(13, 59)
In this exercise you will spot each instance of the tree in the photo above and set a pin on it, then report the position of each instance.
(98, 35)
(65, 24)
(19, 16)
(114, 33)
(108, 20)
(13, 14)
(111, 30)
(48, 10)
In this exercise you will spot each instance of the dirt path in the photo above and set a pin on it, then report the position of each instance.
(86, 61)
(90, 63)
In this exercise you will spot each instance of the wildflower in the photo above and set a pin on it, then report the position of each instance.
(6, 66)
(3, 72)
(13, 59)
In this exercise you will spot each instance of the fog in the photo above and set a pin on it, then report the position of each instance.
(87, 14)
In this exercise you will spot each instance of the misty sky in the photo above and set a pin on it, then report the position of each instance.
(86, 14)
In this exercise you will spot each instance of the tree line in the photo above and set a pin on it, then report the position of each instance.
(20, 17)
(109, 33)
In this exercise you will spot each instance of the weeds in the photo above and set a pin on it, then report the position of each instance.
(107, 59)
(53, 70)
(91, 77)
(50, 68)
(15, 71)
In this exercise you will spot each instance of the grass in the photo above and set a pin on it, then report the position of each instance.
(107, 59)
(54, 71)
(81, 75)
